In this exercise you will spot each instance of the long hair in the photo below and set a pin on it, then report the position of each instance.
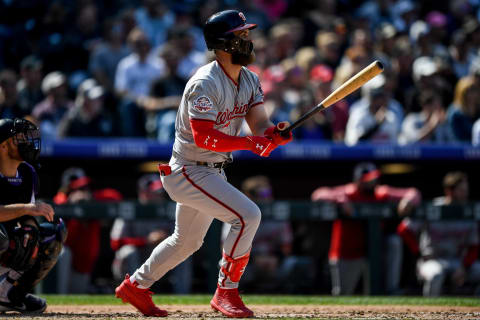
(461, 89)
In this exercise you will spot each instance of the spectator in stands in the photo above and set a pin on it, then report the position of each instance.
(83, 242)
(51, 110)
(321, 77)
(362, 38)
(81, 38)
(464, 110)
(403, 13)
(281, 43)
(166, 96)
(185, 19)
(133, 241)
(386, 34)
(402, 60)
(296, 78)
(255, 14)
(328, 44)
(9, 107)
(154, 18)
(427, 76)
(273, 8)
(438, 23)
(476, 133)
(355, 59)
(459, 52)
(30, 85)
(273, 267)
(190, 59)
(375, 118)
(427, 125)
(306, 58)
(347, 256)
(317, 127)
(133, 80)
(445, 249)
(274, 86)
(107, 54)
(88, 118)
(474, 71)
(49, 39)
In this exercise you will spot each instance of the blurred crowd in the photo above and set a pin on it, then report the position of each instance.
(118, 68)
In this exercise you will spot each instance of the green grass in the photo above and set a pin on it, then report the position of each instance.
(272, 300)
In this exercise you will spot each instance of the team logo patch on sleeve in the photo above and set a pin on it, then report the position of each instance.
(202, 104)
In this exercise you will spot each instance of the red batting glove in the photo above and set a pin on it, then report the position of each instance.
(274, 133)
(261, 145)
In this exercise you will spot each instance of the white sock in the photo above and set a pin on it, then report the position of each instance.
(229, 285)
(132, 281)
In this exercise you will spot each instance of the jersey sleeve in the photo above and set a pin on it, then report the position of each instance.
(257, 97)
(202, 101)
(388, 193)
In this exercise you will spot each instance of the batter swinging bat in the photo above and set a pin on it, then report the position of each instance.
(355, 82)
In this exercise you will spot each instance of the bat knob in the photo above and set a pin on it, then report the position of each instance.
(281, 126)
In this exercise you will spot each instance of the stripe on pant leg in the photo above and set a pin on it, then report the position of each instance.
(223, 205)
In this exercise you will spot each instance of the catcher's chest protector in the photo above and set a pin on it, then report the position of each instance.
(18, 189)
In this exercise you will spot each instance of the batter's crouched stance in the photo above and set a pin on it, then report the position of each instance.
(215, 102)
(28, 249)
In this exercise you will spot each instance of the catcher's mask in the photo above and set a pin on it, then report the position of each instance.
(26, 136)
(219, 32)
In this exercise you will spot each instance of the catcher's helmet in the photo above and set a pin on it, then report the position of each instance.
(219, 28)
(26, 136)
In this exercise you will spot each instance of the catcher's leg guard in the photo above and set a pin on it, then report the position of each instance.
(23, 245)
(4, 240)
(52, 237)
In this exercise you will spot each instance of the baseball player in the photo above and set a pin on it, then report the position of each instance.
(445, 249)
(216, 100)
(28, 249)
(347, 254)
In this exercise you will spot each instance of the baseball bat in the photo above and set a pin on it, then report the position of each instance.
(352, 84)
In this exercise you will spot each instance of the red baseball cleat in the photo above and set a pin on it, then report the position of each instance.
(228, 302)
(139, 298)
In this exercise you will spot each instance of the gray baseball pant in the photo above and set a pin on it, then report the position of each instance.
(202, 194)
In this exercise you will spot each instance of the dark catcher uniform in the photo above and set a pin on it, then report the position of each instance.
(28, 249)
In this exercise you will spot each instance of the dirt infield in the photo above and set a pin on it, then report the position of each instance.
(265, 311)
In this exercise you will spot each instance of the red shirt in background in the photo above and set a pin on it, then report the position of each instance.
(348, 236)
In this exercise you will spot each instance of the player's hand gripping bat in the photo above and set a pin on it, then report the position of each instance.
(355, 82)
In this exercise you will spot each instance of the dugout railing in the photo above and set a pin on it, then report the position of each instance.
(373, 214)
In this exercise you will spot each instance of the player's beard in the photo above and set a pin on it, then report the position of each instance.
(243, 59)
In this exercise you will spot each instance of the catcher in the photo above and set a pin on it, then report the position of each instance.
(28, 249)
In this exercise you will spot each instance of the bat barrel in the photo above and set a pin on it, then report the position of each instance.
(352, 84)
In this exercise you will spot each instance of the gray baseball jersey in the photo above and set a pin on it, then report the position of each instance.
(445, 243)
(444, 239)
(212, 95)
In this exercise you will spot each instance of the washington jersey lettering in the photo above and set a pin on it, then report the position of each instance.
(212, 95)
